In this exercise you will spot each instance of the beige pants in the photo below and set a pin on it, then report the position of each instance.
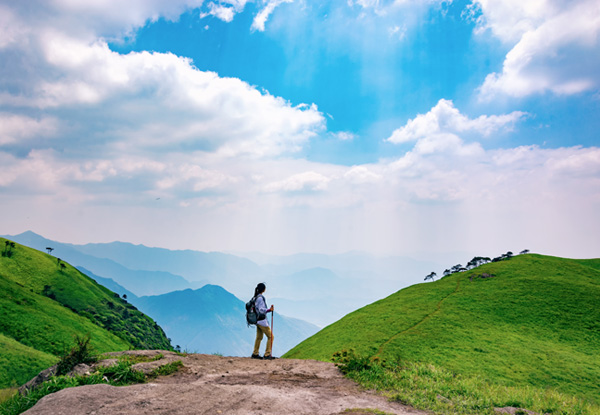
(260, 330)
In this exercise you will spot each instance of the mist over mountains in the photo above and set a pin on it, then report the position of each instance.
(315, 288)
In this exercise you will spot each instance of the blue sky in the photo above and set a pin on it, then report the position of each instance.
(394, 127)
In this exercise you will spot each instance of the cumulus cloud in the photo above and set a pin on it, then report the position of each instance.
(444, 118)
(554, 46)
(156, 91)
(82, 121)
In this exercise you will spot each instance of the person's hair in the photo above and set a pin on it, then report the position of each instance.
(260, 288)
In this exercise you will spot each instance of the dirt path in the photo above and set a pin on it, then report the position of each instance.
(226, 385)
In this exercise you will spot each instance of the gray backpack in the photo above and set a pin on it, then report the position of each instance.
(253, 316)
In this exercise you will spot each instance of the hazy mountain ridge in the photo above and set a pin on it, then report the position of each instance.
(314, 287)
(141, 282)
(194, 266)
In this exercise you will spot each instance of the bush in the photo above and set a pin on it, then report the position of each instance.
(82, 352)
(348, 361)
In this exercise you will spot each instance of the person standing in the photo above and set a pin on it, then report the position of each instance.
(262, 326)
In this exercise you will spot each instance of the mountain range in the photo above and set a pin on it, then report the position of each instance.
(206, 320)
(313, 287)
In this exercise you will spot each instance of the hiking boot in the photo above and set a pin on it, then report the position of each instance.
(255, 356)
(269, 357)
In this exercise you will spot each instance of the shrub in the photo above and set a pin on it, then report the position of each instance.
(82, 352)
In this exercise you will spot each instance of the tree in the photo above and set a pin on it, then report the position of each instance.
(62, 266)
(125, 296)
(457, 268)
(8, 246)
(477, 261)
(431, 276)
(523, 252)
(49, 249)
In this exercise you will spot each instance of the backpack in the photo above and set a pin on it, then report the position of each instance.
(253, 316)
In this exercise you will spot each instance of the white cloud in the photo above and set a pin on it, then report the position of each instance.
(445, 118)
(344, 135)
(225, 13)
(89, 19)
(555, 46)
(362, 175)
(261, 17)
(18, 128)
(155, 99)
(301, 182)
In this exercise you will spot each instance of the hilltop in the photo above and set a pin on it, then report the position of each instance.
(46, 302)
(209, 384)
(532, 320)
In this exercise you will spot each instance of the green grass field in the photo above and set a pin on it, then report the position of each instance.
(536, 323)
(45, 304)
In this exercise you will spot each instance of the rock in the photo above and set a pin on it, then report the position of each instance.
(80, 370)
(43, 376)
(282, 386)
(106, 363)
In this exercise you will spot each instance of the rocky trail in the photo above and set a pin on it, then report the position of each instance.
(209, 384)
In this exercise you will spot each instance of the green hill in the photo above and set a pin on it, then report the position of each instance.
(46, 302)
(534, 322)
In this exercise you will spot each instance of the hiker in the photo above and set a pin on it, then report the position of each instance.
(262, 326)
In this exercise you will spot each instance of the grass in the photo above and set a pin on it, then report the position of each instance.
(534, 326)
(45, 304)
(431, 388)
(19, 363)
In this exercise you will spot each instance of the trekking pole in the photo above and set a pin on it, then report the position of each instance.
(272, 312)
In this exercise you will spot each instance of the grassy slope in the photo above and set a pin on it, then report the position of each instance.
(45, 326)
(17, 361)
(536, 323)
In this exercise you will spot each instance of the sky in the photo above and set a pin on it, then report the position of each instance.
(394, 127)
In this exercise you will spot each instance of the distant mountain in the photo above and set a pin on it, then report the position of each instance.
(238, 275)
(531, 320)
(212, 320)
(326, 287)
(109, 283)
(353, 265)
(45, 302)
